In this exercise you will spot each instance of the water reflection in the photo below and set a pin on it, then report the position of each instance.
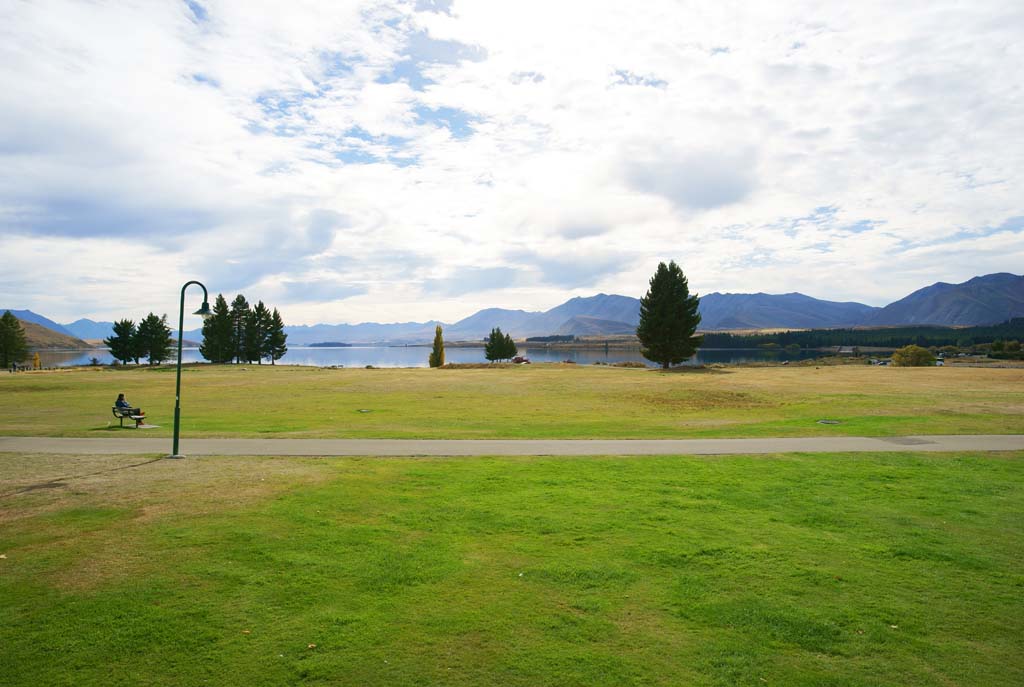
(416, 356)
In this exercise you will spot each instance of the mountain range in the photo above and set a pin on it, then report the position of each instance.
(982, 300)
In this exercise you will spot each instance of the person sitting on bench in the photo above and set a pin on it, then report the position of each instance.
(126, 409)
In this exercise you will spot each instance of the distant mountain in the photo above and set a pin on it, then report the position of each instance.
(983, 300)
(581, 325)
(767, 311)
(29, 316)
(608, 307)
(366, 332)
(480, 324)
(990, 299)
(88, 329)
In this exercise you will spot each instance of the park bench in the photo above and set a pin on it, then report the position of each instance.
(130, 413)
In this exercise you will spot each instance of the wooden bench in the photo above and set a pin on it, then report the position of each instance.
(130, 413)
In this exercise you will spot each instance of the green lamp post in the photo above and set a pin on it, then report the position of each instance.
(203, 312)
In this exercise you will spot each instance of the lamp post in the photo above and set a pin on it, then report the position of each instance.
(203, 312)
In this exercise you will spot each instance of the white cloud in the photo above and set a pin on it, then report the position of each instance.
(317, 155)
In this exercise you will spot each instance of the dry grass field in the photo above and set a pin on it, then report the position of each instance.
(537, 401)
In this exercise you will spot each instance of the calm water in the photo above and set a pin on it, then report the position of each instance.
(380, 356)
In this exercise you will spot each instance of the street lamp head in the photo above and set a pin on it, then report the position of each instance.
(204, 312)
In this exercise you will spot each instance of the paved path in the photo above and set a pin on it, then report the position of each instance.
(511, 447)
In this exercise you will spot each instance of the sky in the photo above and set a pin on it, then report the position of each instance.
(417, 160)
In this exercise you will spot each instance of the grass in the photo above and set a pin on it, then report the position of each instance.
(537, 401)
(860, 569)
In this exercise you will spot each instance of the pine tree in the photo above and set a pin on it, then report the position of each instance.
(509, 347)
(668, 318)
(239, 315)
(122, 344)
(257, 325)
(13, 342)
(217, 330)
(494, 349)
(276, 347)
(437, 354)
(154, 339)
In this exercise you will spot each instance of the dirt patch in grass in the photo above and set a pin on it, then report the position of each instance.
(705, 399)
(56, 514)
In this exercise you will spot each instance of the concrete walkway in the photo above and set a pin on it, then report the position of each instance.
(511, 447)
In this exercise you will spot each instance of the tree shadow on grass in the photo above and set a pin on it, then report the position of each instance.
(694, 370)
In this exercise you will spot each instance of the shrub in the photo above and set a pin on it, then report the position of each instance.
(913, 356)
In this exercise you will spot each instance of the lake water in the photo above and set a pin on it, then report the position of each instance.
(416, 356)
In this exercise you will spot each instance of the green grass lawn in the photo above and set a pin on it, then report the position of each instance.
(537, 401)
(860, 569)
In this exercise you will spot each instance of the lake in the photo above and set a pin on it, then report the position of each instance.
(416, 356)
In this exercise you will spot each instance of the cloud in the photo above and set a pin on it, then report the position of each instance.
(466, 280)
(199, 13)
(526, 77)
(458, 122)
(624, 77)
(408, 155)
(577, 271)
(442, 6)
(695, 179)
(583, 231)
(160, 223)
(324, 291)
(421, 52)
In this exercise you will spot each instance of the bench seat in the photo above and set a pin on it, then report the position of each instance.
(130, 413)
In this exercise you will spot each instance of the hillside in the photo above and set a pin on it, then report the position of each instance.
(581, 325)
(39, 336)
(765, 311)
(983, 300)
(36, 318)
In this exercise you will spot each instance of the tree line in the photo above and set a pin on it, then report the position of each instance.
(889, 337)
(238, 333)
(241, 333)
(151, 340)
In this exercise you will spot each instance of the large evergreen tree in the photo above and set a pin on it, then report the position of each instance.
(217, 330)
(257, 330)
(499, 346)
(437, 354)
(276, 347)
(122, 343)
(154, 339)
(239, 317)
(13, 342)
(495, 346)
(509, 347)
(668, 318)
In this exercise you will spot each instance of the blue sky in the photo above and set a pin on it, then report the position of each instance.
(396, 161)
